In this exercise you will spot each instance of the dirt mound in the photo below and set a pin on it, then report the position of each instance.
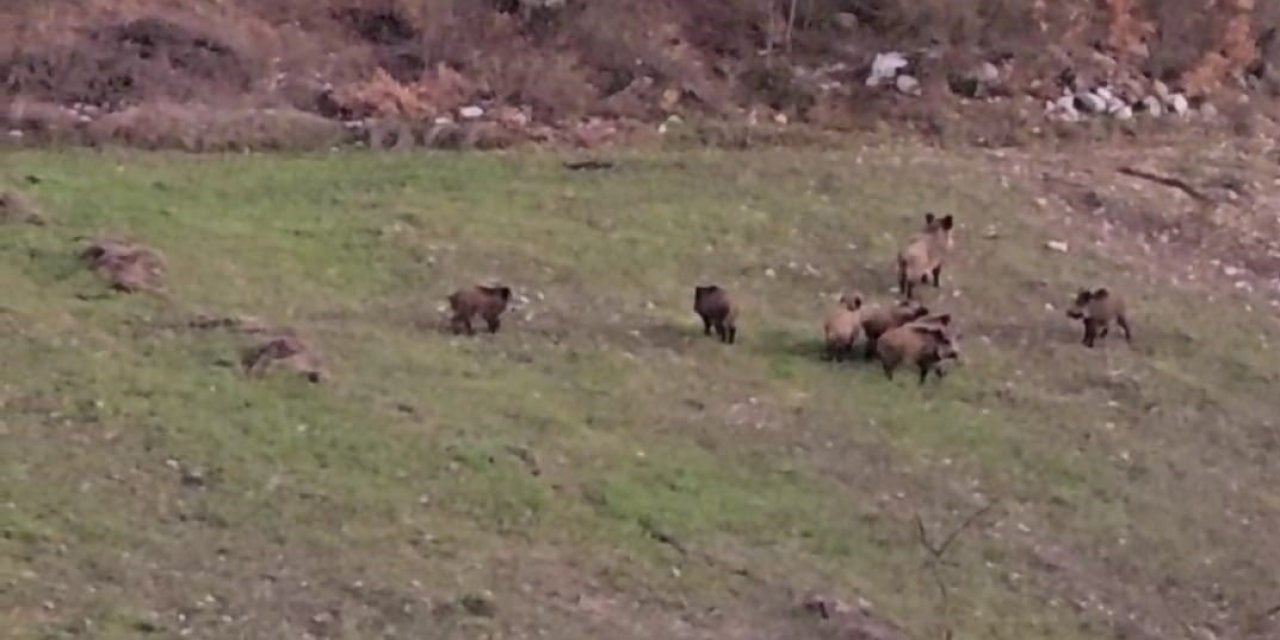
(287, 352)
(17, 208)
(124, 64)
(127, 267)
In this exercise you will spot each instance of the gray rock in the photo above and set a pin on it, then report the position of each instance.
(908, 85)
(986, 73)
(1153, 106)
(1178, 104)
(1090, 102)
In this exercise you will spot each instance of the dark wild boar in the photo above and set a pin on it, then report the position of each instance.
(713, 305)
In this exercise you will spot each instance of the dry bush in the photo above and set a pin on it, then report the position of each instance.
(1010, 24)
(131, 62)
(776, 85)
(197, 127)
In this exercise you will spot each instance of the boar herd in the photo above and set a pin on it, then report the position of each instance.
(902, 333)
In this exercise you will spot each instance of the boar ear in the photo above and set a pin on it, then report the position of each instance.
(1100, 294)
(944, 319)
(929, 218)
(948, 221)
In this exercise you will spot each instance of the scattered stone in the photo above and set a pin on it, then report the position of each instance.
(1152, 106)
(1178, 104)
(1058, 246)
(471, 113)
(127, 267)
(986, 73)
(908, 85)
(481, 605)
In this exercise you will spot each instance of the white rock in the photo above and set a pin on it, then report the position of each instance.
(1208, 111)
(885, 67)
(1178, 104)
(470, 113)
(908, 85)
(1123, 113)
(1057, 245)
(986, 72)
(780, 118)
(1153, 106)
(1161, 89)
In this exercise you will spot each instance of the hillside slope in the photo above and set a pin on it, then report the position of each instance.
(287, 73)
(599, 468)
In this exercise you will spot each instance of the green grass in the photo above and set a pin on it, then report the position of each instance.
(599, 449)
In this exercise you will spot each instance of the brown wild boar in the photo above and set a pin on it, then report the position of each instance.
(923, 345)
(843, 326)
(715, 308)
(284, 351)
(921, 260)
(488, 302)
(1096, 309)
(876, 321)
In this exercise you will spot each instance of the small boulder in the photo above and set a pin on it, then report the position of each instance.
(885, 67)
(1089, 102)
(908, 85)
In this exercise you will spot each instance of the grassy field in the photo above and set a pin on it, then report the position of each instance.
(599, 468)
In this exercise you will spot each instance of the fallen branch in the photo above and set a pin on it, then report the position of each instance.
(937, 557)
(588, 165)
(1167, 181)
